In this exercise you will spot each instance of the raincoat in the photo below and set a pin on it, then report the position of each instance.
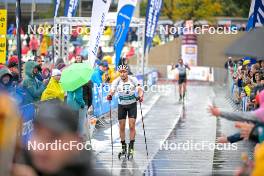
(97, 76)
(259, 161)
(16, 92)
(75, 99)
(111, 71)
(33, 87)
(53, 91)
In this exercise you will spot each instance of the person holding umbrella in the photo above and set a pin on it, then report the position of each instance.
(72, 80)
(75, 99)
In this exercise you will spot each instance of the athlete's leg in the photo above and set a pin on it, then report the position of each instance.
(122, 128)
(122, 125)
(184, 89)
(180, 90)
(132, 114)
(132, 128)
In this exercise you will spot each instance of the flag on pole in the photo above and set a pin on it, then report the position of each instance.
(124, 16)
(99, 13)
(152, 18)
(57, 5)
(256, 14)
(18, 37)
(70, 8)
(255, 19)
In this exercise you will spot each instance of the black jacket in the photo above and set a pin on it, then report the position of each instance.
(87, 93)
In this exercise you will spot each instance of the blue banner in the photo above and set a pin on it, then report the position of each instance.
(152, 18)
(122, 26)
(57, 5)
(70, 8)
(100, 103)
(256, 15)
(28, 114)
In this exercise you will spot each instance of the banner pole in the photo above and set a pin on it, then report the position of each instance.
(18, 38)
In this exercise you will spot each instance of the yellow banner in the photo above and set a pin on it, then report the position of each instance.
(3, 21)
(2, 50)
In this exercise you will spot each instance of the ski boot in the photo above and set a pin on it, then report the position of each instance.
(123, 153)
(130, 154)
(180, 99)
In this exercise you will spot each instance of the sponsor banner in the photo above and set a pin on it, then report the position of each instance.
(2, 50)
(57, 5)
(99, 13)
(3, 21)
(70, 8)
(100, 103)
(189, 54)
(152, 18)
(28, 115)
(124, 17)
(256, 14)
(195, 74)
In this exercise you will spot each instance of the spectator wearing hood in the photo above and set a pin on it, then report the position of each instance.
(31, 84)
(5, 79)
(75, 99)
(6, 85)
(110, 75)
(54, 89)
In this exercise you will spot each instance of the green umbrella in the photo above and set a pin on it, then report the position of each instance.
(75, 76)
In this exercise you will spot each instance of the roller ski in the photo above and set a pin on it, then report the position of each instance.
(123, 153)
(130, 154)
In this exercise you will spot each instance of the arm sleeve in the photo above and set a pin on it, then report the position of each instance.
(234, 138)
(239, 116)
(135, 81)
(35, 92)
(137, 84)
(115, 84)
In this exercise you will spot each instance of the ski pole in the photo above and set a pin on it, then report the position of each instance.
(144, 128)
(111, 128)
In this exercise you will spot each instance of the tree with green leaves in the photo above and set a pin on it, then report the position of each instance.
(200, 9)
(235, 8)
(191, 9)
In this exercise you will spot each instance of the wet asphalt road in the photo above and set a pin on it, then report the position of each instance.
(170, 128)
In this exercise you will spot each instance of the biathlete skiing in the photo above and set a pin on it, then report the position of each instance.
(127, 87)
